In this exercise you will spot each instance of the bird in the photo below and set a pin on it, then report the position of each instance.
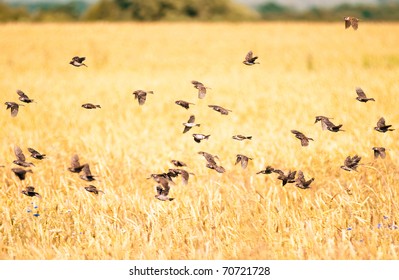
(163, 190)
(289, 178)
(220, 109)
(75, 167)
(90, 106)
(379, 152)
(267, 170)
(21, 160)
(301, 182)
(199, 137)
(87, 176)
(184, 174)
(351, 21)
(184, 104)
(166, 175)
(209, 158)
(93, 189)
(243, 159)
(327, 124)
(23, 97)
(361, 96)
(217, 168)
(250, 59)
(35, 154)
(178, 163)
(78, 61)
(201, 89)
(20, 172)
(351, 163)
(382, 127)
(241, 137)
(14, 107)
(30, 191)
(302, 137)
(141, 95)
(190, 124)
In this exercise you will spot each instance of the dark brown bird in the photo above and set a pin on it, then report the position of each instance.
(250, 59)
(90, 106)
(20, 172)
(184, 174)
(301, 182)
(141, 95)
(201, 89)
(379, 152)
(184, 104)
(162, 189)
(351, 21)
(243, 159)
(178, 163)
(199, 137)
(302, 137)
(351, 163)
(93, 189)
(289, 178)
(327, 124)
(14, 107)
(23, 97)
(190, 124)
(267, 170)
(361, 96)
(166, 175)
(30, 191)
(35, 154)
(217, 168)
(87, 176)
(75, 167)
(21, 160)
(78, 61)
(382, 127)
(220, 109)
(209, 158)
(241, 137)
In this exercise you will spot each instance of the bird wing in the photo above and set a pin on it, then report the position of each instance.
(80, 59)
(244, 162)
(360, 93)
(239, 158)
(86, 169)
(22, 94)
(75, 161)
(249, 55)
(196, 84)
(142, 96)
(33, 151)
(19, 154)
(201, 92)
(191, 119)
(381, 122)
(347, 22)
(300, 178)
(354, 22)
(14, 109)
(348, 161)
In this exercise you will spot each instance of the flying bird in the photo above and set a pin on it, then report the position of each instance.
(21, 159)
(379, 152)
(93, 189)
(361, 96)
(78, 61)
(289, 178)
(87, 176)
(267, 170)
(23, 97)
(35, 154)
(184, 174)
(382, 127)
(327, 124)
(163, 190)
(184, 104)
(209, 158)
(178, 163)
(90, 106)
(75, 167)
(14, 107)
(30, 191)
(241, 137)
(199, 137)
(243, 159)
(250, 59)
(351, 21)
(301, 182)
(20, 172)
(141, 95)
(302, 137)
(201, 89)
(190, 124)
(220, 109)
(351, 163)
(217, 168)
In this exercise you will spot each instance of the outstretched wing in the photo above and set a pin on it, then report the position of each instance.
(360, 93)
(347, 22)
(381, 122)
(249, 55)
(191, 119)
(75, 161)
(22, 94)
(19, 154)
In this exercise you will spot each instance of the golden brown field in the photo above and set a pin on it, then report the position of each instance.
(305, 70)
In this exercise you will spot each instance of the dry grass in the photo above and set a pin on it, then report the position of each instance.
(306, 70)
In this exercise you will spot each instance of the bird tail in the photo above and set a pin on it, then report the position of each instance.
(249, 137)
(207, 136)
(98, 106)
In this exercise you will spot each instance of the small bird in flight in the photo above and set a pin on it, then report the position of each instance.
(35, 154)
(250, 59)
(20, 172)
(87, 176)
(301, 182)
(78, 61)
(30, 191)
(23, 97)
(243, 159)
(289, 178)
(14, 107)
(199, 137)
(361, 96)
(178, 163)
(379, 152)
(241, 137)
(302, 137)
(93, 189)
(75, 167)
(190, 124)
(220, 109)
(184, 174)
(382, 127)
(184, 104)
(351, 21)
(351, 163)
(21, 159)
(201, 89)
(327, 124)
(267, 170)
(90, 106)
(141, 95)
(163, 190)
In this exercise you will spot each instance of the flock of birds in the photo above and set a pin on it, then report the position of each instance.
(165, 180)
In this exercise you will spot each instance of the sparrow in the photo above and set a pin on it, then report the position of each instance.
(14, 107)
(75, 167)
(184, 104)
(327, 124)
(184, 174)
(241, 137)
(23, 97)
(267, 170)
(78, 61)
(351, 163)
(250, 59)
(217, 168)
(87, 176)
(351, 21)
(163, 190)
(21, 160)
(189, 124)
(20, 172)
(209, 158)
(382, 127)
(30, 191)
(302, 137)
(220, 109)
(141, 95)
(201, 89)
(379, 152)
(199, 137)
(90, 106)
(93, 189)
(361, 96)
(301, 182)
(35, 154)
(289, 178)
(243, 159)
(178, 163)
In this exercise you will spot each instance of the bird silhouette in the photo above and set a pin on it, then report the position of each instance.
(201, 89)
(361, 96)
(23, 97)
(141, 95)
(220, 109)
(78, 61)
(75, 167)
(21, 159)
(90, 106)
(184, 104)
(199, 137)
(250, 59)
(30, 191)
(301, 182)
(243, 159)
(379, 152)
(35, 154)
(93, 189)
(20, 172)
(14, 108)
(190, 124)
(327, 124)
(382, 127)
(351, 21)
(241, 137)
(351, 163)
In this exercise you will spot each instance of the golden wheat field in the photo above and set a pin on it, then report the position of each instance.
(305, 70)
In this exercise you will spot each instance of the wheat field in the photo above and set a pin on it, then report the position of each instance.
(305, 70)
